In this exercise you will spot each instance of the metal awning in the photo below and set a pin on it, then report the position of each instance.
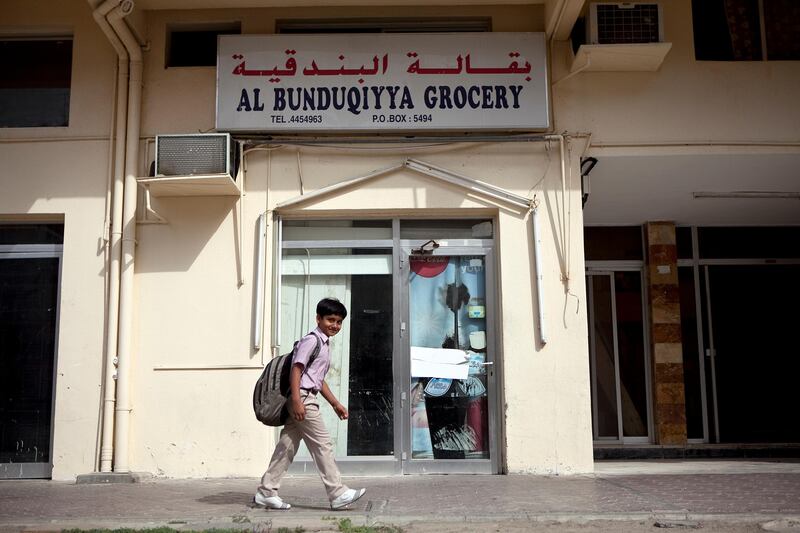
(426, 169)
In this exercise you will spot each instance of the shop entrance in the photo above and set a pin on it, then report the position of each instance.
(618, 351)
(29, 281)
(739, 287)
(414, 362)
(751, 353)
(448, 336)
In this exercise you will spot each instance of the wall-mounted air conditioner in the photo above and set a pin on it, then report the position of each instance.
(196, 164)
(624, 23)
(200, 154)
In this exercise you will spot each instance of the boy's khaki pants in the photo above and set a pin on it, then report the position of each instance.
(313, 432)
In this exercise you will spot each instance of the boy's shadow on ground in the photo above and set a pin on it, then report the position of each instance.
(224, 498)
(228, 498)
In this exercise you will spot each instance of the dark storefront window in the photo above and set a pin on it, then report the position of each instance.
(749, 242)
(613, 243)
(683, 240)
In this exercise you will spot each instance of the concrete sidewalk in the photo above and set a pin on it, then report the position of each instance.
(733, 492)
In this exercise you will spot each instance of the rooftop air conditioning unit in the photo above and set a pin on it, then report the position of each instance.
(624, 23)
(198, 154)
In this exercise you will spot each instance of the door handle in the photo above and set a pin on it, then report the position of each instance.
(711, 352)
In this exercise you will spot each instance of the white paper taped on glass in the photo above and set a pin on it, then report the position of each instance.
(439, 363)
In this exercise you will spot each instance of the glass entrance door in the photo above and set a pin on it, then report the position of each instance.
(751, 353)
(448, 335)
(618, 357)
(414, 362)
(28, 318)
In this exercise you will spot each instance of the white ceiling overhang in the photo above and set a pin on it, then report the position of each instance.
(632, 189)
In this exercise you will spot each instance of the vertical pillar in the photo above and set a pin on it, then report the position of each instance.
(669, 405)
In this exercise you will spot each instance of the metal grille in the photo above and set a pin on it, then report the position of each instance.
(627, 23)
(187, 155)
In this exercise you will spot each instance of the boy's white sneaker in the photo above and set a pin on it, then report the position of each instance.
(346, 498)
(270, 502)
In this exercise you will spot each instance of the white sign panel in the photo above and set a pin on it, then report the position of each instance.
(439, 363)
(359, 82)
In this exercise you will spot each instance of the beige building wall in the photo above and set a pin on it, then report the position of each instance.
(193, 362)
(193, 318)
(180, 100)
(60, 174)
(685, 101)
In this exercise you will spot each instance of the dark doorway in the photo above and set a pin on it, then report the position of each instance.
(754, 317)
(28, 314)
(370, 427)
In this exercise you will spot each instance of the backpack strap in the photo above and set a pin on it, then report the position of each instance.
(314, 352)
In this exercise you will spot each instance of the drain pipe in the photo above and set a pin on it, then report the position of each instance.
(537, 258)
(537, 241)
(123, 404)
(109, 389)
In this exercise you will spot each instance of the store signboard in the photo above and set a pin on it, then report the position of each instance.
(376, 82)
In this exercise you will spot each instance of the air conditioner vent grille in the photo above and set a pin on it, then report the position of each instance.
(627, 23)
(189, 155)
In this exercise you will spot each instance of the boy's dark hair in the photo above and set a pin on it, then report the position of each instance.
(331, 306)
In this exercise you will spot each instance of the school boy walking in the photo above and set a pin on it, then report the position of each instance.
(305, 422)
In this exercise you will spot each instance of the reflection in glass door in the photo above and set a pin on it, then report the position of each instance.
(361, 355)
(451, 377)
(618, 357)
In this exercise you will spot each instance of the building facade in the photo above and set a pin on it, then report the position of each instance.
(527, 279)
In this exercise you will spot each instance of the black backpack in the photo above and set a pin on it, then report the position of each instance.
(272, 388)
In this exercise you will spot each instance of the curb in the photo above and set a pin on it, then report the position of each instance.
(328, 521)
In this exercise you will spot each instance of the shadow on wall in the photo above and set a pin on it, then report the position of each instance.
(194, 225)
(50, 172)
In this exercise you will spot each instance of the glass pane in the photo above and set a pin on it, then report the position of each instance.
(35, 85)
(691, 356)
(28, 302)
(606, 243)
(31, 233)
(604, 388)
(749, 242)
(361, 354)
(782, 27)
(448, 323)
(196, 47)
(630, 343)
(336, 230)
(446, 229)
(755, 316)
(683, 238)
(726, 30)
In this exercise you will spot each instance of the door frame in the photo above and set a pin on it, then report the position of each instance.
(609, 268)
(401, 366)
(448, 247)
(38, 470)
